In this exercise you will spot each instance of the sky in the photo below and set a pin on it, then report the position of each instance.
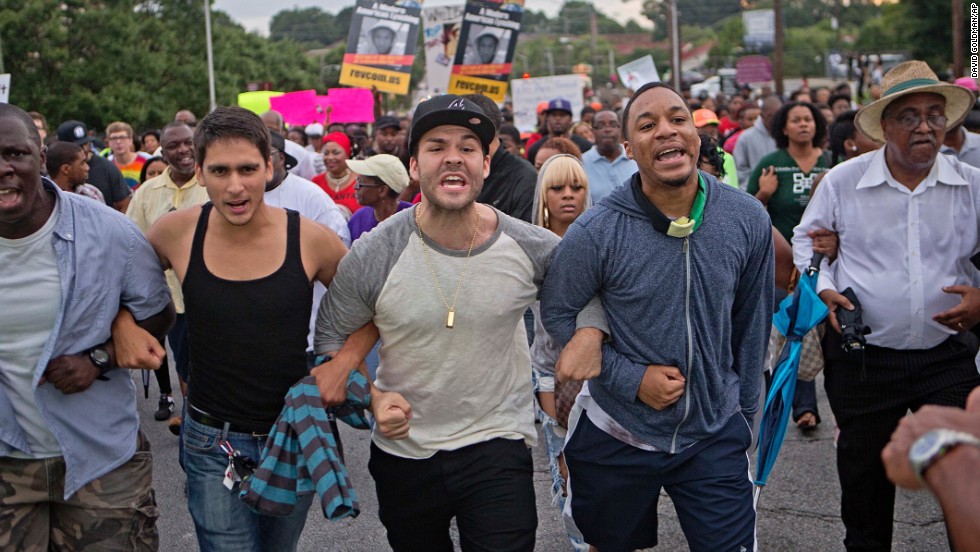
(254, 15)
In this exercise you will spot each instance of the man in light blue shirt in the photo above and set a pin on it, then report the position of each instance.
(607, 165)
(75, 471)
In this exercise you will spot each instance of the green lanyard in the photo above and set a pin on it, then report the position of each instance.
(684, 226)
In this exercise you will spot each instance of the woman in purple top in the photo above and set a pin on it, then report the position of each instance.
(381, 178)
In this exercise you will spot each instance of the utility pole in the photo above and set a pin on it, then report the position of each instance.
(957, 38)
(777, 50)
(675, 46)
(207, 29)
(595, 32)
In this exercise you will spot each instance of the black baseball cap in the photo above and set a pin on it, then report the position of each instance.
(279, 143)
(73, 131)
(450, 109)
(387, 122)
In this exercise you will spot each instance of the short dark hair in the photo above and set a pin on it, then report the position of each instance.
(59, 154)
(489, 107)
(146, 165)
(585, 110)
(643, 89)
(11, 110)
(151, 132)
(838, 97)
(779, 120)
(510, 130)
(842, 129)
(228, 123)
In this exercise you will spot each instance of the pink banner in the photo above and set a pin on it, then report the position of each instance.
(298, 108)
(350, 105)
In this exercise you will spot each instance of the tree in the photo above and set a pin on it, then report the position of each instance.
(146, 61)
(931, 36)
(311, 27)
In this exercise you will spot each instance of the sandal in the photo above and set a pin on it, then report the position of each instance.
(807, 421)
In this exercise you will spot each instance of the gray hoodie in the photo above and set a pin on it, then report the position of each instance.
(701, 303)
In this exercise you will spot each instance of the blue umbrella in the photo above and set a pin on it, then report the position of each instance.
(798, 314)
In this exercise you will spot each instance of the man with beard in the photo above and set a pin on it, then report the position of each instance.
(683, 265)
(558, 122)
(177, 188)
(452, 398)
(607, 164)
(906, 218)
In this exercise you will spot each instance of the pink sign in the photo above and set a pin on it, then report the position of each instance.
(350, 105)
(751, 69)
(297, 108)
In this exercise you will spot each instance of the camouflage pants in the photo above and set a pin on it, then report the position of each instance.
(116, 512)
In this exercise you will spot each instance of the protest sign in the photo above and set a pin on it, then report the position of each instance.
(381, 45)
(638, 72)
(5, 88)
(528, 93)
(440, 31)
(297, 108)
(349, 105)
(257, 102)
(487, 40)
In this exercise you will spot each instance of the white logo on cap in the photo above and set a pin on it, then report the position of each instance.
(457, 104)
(79, 132)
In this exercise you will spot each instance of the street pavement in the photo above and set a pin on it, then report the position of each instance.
(797, 511)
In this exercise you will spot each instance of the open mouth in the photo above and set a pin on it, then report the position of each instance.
(453, 182)
(670, 156)
(9, 198)
(237, 207)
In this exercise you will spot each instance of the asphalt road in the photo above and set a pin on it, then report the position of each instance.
(798, 510)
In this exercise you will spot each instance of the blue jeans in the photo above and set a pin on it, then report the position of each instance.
(221, 520)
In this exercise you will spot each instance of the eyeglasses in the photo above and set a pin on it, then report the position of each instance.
(911, 121)
(359, 186)
(118, 138)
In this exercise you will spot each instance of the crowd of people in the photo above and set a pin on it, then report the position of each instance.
(611, 275)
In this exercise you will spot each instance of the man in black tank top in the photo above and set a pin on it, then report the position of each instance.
(247, 271)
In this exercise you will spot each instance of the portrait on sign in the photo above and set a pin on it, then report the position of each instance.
(382, 37)
(487, 45)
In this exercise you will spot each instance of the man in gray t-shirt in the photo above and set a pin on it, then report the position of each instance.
(446, 284)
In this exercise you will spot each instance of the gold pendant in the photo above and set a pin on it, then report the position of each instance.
(450, 319)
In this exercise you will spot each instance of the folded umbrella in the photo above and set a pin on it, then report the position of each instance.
(798, 314)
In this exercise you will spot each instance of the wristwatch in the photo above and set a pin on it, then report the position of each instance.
(100, 358)
(933, 445)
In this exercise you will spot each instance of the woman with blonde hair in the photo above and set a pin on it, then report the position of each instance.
(562, 195)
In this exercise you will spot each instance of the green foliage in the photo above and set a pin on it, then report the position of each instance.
(310, 27)
(931, 37)
(100, 61)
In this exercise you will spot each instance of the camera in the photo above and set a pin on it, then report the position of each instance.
(852, 327)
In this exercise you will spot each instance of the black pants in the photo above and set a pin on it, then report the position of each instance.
(868, 411)
(487, 487)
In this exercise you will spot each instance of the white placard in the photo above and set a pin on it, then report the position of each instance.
(528, 93)
(638, 72)
(5, 88)
(440, 28)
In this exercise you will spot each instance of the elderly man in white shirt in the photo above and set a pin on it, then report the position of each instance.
(907, 220)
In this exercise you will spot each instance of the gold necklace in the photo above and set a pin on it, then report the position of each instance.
(451, 316)
(337, 183)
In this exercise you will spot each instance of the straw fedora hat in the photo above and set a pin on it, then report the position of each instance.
(913, 77)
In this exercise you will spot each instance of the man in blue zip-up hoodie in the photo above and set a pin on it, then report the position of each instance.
(684, 268)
